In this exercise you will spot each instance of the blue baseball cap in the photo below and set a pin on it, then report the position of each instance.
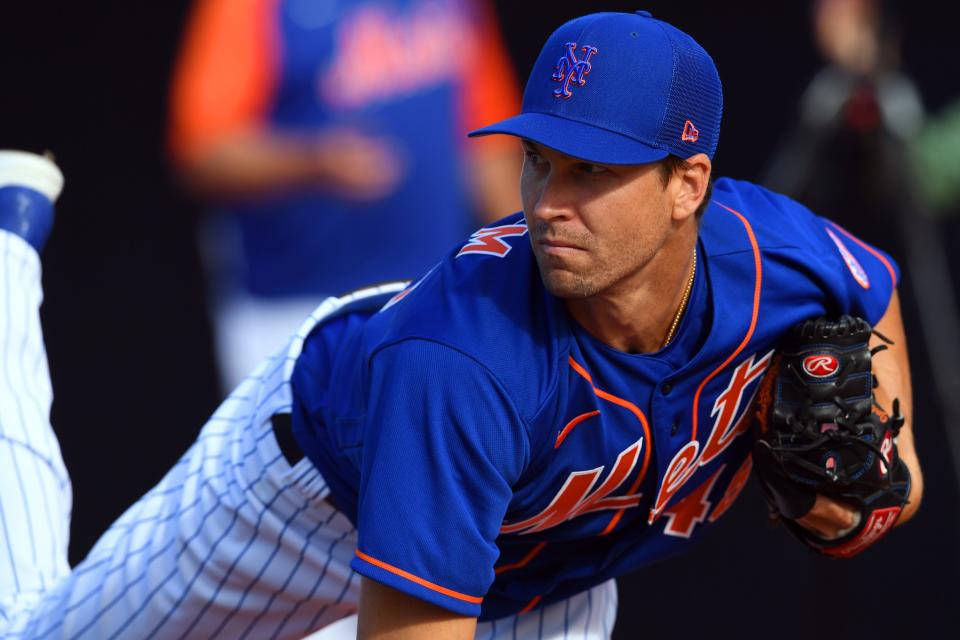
(620, 88)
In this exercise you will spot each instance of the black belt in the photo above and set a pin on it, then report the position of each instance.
(283, 432)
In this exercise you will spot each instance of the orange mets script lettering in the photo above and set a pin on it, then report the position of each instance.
(575, 498)
(726, 427)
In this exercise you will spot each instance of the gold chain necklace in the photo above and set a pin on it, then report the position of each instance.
(683, 302)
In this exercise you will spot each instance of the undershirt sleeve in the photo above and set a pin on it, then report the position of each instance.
(442, 447)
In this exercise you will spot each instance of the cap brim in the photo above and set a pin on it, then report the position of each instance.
(575, 139)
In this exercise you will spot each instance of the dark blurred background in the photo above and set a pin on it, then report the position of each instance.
(129, 337)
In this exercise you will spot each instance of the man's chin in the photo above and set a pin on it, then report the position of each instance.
(563, 284)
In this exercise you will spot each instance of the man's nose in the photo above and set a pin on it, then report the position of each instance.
(554, 199)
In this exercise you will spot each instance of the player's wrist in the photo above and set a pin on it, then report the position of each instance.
(320, 159)
(908, 456)
(830, 520)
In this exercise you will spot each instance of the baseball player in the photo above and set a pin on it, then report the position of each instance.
(304, 121)
(562, 399)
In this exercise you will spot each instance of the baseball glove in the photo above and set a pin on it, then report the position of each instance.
(820, 430)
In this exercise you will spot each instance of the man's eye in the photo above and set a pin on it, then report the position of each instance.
(533, 157)
(586, 167)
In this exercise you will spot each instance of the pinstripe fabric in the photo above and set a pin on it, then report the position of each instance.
(35, 494)
(233, 542)
(586, 616)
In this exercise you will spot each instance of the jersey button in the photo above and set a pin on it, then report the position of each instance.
(675, 427)
(666, 388)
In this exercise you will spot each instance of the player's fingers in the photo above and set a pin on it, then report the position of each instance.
(371, 169)
(830, 519)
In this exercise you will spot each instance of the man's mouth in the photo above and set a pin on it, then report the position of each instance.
(556, 245)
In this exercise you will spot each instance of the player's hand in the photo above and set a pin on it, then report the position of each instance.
(357, 166)
(829, 519)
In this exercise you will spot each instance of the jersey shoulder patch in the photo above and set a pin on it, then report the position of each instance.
(856, 269)
(490, 240)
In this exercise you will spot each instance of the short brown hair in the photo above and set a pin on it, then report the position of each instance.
(671, 165)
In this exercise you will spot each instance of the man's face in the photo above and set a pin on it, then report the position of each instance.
(593, 227)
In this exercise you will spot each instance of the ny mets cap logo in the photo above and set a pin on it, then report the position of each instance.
(821, 365)
(570, 69)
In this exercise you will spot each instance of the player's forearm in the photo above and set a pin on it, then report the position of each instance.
(252, 163)
(387, 614)
(892, 370)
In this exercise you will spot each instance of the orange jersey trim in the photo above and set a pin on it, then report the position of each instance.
(570, 425)
(417, 579)
(530, 605)
(523, 561)
(758, 281)
(863, 245)
(615, 520)
(635, 410)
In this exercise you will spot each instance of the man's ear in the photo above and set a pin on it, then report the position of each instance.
(690, 186)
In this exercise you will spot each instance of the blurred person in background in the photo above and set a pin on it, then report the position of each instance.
(846, 155)
(329, 136)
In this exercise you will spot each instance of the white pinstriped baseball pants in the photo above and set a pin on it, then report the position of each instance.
(233, 542)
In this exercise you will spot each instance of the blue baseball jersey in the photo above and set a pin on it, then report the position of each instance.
(494, 456)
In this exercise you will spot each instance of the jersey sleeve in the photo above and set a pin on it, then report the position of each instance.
(810, 262)
(443, 446)
(225, 74)
(869, 275)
